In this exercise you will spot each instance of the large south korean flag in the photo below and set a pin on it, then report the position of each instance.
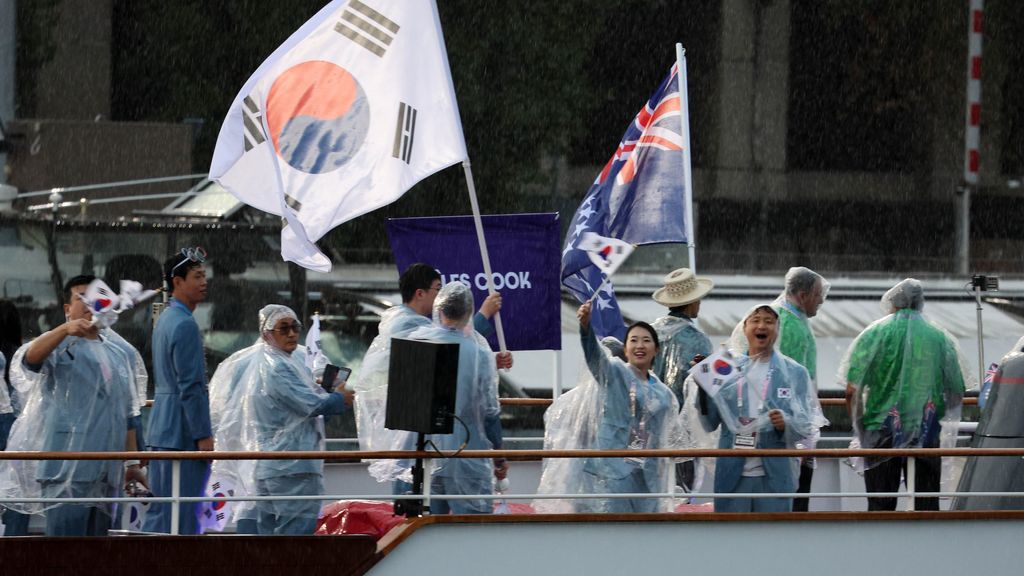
(351, 111)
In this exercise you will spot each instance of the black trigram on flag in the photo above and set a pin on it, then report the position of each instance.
(405, 130)
(251, 117)
(221, 516)
(366, 27)
(292, 202)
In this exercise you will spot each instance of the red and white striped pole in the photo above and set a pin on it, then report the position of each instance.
(972, 134)
(972, 156)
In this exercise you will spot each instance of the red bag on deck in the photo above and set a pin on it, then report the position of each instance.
(357, 517)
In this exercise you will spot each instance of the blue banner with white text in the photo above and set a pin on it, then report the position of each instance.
(525, 263)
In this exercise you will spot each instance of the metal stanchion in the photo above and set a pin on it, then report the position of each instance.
(176, 494)
(428, 467)
(911, 466)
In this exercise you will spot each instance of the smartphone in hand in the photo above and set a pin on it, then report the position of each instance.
(332, 375)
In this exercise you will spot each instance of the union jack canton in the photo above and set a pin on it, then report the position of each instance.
(638, 197)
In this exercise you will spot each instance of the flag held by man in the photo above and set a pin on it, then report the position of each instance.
(351, 111)
(638, 198)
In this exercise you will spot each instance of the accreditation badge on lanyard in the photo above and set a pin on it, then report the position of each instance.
(748, 440)
(638, 433)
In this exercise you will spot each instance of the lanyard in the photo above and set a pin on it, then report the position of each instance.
(764, 390)
(632, 402)
(632, 397)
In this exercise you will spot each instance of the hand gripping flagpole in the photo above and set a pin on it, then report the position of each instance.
(684, 119)
(483, 248)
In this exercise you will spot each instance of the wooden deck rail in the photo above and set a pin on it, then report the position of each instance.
(970, 401)
(517, 454)
(547, 402)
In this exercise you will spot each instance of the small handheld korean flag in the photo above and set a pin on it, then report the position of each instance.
(214, 514)
(102, 302)
(137, 515)
(714, 371)
(314, 351)
(606, 253)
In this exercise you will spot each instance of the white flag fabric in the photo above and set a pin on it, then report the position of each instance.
(606, 253)
(132, 294)
(313, 350)
(351, 111)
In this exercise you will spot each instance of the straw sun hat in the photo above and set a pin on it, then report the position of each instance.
(681, 288)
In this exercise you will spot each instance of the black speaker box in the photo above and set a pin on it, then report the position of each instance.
(422, 379)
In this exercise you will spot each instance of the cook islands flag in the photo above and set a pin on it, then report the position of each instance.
(351, 111)
(638, 198)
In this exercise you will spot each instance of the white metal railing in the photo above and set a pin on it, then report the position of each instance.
(177, 457)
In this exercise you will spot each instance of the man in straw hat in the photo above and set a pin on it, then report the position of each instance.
(683, 343)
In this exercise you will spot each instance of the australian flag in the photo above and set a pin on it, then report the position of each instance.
(638, 197)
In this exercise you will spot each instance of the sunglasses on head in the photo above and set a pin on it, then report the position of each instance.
(193, 254)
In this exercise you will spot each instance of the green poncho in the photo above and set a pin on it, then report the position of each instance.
(908, 376)
(796, 339)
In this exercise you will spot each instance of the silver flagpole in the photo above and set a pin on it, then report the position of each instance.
(483, 247)
(470, 185)
(684, 120)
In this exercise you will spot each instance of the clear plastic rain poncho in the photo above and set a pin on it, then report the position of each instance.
(476, 400)
(235, 476)
(6, 405)
(138, 369)
(909, 376)
(371, 388)
(79, 400)
(264, 399)
(611, 408)
(797, 399)
(681, 340)
(796, 338)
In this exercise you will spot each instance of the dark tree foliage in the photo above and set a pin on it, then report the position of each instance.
(35, 46)
(857, 100)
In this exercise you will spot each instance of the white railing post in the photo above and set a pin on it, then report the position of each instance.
(124, 511)
(428, 466)
(175, 495)
(556, 384)
(911, 466)
(672, 484)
